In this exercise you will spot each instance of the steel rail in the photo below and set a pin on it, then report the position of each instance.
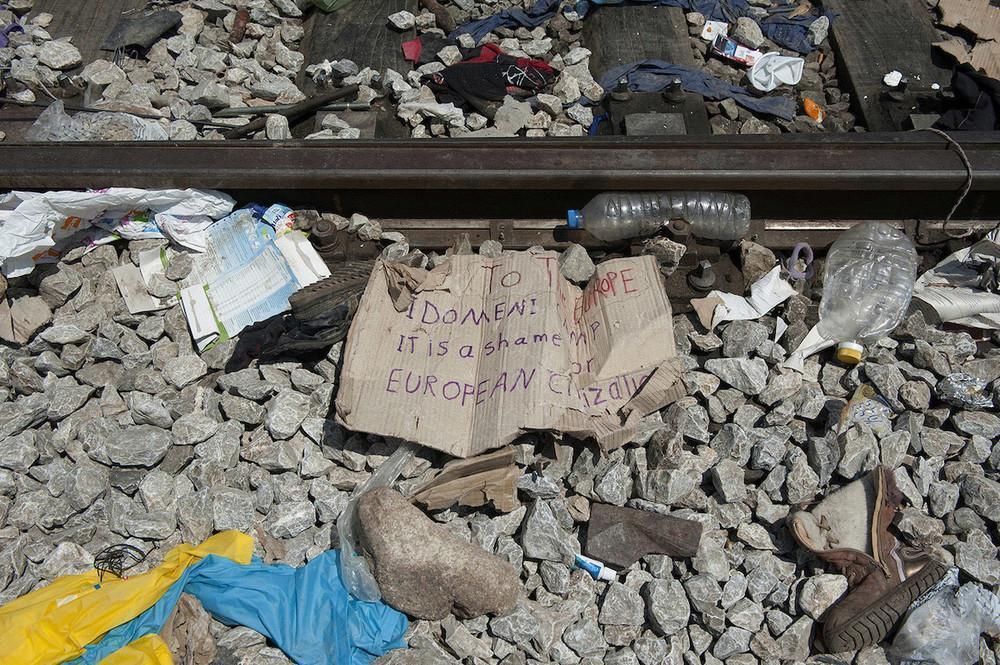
(913, 161)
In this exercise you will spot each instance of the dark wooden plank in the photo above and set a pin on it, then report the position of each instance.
(360, 32)
(618, 35)
(874, 37)
(88, 22)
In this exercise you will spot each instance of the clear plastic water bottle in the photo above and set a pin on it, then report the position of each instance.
(868, 283)
(614, 216)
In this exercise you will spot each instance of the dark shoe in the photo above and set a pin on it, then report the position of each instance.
(322, 313)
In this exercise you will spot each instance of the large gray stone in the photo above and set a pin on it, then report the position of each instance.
(292, 518)
(61, 335)
(149, 410)
(66, 397)
(621, 606)
(667, 606)
(983, 496)
(285, 412)
(749, 376)
(192, 428)
(18, 452)
(747, 32)
(575, 264)
(585, 638)
(727, 477)
(38, 508)
(60, 55)
(517, 627)
(57, 288)
(184, 370)
(542, 535)
(819, 592)
(977, 423)
(22, 414)
(139, 445)
(427, 571)
(741, 338)
(232, 509)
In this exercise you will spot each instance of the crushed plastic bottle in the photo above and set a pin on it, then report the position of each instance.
(870, 270)
(614, 216)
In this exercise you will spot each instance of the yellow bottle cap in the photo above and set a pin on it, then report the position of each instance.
(849, 353)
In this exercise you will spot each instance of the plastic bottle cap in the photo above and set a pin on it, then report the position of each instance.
(849, 353)
(573, 219)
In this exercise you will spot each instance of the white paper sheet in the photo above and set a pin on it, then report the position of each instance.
(765, 294)
(245, 275)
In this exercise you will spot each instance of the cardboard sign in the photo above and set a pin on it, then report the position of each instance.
(470, 355)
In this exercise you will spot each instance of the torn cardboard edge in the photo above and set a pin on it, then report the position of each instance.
(979, 17)
(22, 317)
(474, 482)
(486, 349)
(984, 56)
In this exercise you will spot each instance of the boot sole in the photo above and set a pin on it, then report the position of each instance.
(873, 623)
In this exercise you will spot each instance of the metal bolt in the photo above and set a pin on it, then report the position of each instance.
(702, 277)
(674, 93)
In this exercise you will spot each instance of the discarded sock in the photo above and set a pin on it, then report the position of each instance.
(306, 612)
(424, 569)
(540, 13)
(655, 75)
(621, 536)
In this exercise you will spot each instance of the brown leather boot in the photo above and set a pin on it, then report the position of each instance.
(850, 529)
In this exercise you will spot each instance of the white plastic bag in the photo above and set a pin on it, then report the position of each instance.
(54, 124)
(354, 569)
(943, 627)
(773, 69)
(31, 222)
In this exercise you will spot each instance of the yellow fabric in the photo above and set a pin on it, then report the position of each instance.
(147, 650)
(55, 623)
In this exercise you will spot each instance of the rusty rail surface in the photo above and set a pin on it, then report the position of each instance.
(897, 176)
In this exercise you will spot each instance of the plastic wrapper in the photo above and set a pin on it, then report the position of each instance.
(354, 568)
(773, 69)
(54, 124)
(868, 407)
(37, 227)
(943, 626)
(964, 391)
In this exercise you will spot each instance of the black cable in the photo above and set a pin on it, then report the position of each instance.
(117, 559)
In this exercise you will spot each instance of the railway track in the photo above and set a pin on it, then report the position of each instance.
(801, 187)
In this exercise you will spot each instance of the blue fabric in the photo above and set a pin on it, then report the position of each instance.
(540, 13)
(655, 75)
(783, 31)
(306, 612)
(150, 621)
